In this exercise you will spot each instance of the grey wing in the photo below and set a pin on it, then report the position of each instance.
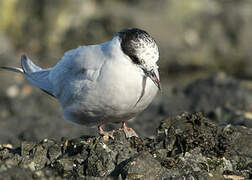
(77, 68)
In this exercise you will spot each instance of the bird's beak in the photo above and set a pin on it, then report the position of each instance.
(152, 75)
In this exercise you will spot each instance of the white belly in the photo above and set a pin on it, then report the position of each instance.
(117, 95)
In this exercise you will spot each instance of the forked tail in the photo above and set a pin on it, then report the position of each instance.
(35, 75)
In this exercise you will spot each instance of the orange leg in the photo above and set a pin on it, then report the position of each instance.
(123, 125)
(129, 132)
(100, 129)
(105, 133)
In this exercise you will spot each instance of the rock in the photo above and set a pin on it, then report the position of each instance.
(37, 159)
(190, 143)
(144, 166)
(101, 160)
(186, 146)
(108, 155)
(54, 152)
(26, 147)
(187, 131)
(16, 173)
(220, 96)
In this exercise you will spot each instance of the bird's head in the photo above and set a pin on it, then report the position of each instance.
(142, 50)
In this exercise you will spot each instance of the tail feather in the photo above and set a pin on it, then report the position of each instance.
(14, 69)
(28, 66)
(35, 75)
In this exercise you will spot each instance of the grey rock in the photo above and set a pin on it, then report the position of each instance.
(186, 146)
(144, 166)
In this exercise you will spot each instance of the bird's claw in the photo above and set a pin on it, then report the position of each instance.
(129, 132)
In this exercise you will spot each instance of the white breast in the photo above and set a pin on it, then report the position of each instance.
(109, 90)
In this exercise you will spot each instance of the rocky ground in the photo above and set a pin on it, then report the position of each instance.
(215, 144)
(187, 146)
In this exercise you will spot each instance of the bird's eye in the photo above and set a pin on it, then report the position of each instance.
(135, 59)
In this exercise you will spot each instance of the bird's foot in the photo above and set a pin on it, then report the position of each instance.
(129, 132)
(106, 133)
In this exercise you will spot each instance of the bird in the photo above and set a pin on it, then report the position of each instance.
(104, 83)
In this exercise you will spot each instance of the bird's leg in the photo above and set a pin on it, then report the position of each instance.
(123, 125)
(105, 133)
(129, 132)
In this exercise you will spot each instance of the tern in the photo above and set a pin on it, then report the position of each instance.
(104, 83)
